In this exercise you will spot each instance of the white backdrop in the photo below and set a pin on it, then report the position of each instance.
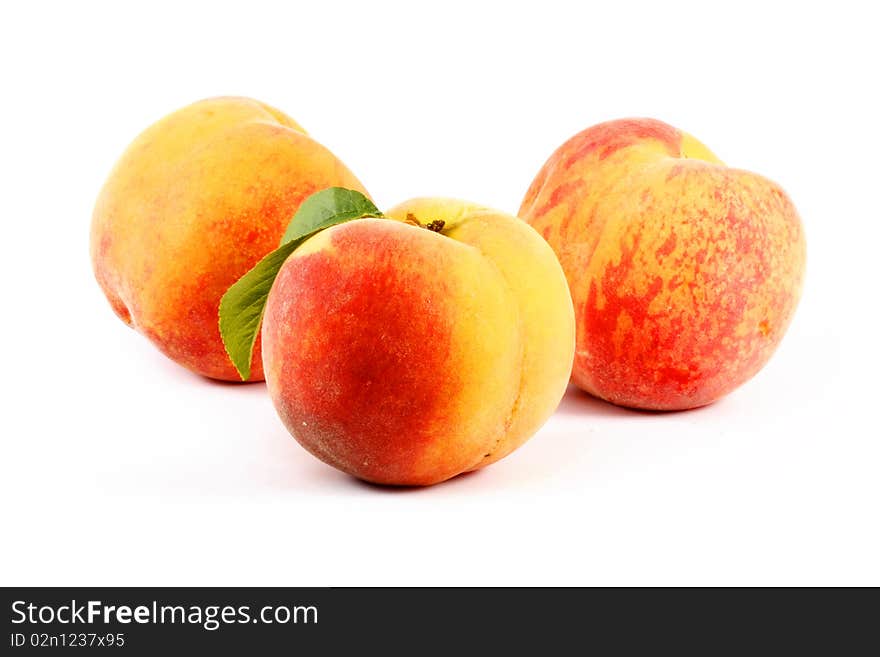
(120, 468)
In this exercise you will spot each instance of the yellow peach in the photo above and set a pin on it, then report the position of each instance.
(195, 201)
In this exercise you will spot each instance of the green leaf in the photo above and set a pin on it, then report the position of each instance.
(333, 205)
(241, 308)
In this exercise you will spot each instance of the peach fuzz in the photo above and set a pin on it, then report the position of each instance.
(194, 202)
(405, 356)
(684, 273)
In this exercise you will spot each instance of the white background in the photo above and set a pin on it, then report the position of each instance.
(120, 468)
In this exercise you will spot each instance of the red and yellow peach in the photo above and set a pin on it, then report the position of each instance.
(684, 273)
(402, 355)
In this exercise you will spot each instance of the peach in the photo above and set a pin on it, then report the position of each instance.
(406, 356)
(684, 273)
(195, 201)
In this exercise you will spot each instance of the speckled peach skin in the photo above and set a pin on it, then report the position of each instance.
(684, 273)
(195, 201)
(405, 356)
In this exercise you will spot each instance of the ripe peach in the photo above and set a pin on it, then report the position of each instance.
(195, 201)
(406, 356)
(684, 273)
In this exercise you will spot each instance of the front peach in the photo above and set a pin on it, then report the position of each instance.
(405, 355)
